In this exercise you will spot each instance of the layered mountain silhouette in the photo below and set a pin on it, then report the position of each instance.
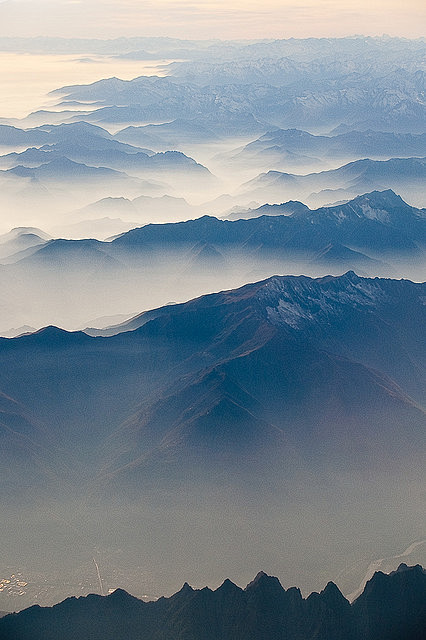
(20, 239)
(244, 89)
(379, 224)
(404, 175)
(377, 233)
(73, 164)
(131, 159)
(293, 146)
(392, 607)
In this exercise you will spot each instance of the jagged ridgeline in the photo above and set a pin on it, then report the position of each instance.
(392, 607)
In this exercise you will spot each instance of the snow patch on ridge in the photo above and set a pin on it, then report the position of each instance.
(295, 304)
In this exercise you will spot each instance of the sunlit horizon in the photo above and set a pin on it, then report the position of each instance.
(204, 19)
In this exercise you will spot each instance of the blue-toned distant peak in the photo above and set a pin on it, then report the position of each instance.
(385, 207)
(16, 232)
(50, 336)
(111, 83)
(171, 232)
(75, 129)
(288, 135)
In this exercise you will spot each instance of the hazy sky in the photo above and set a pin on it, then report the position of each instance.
(211, 18)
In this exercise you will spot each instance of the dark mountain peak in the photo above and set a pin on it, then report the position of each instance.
(186, 588)
(52, 336)
(351, 276)
(298, 284)
(413, 569)
(387, 195)
(120, 596)
(405, 577)
(170, 232)
(347, 278)
(396, 612)
(50, 331)
(332, 595)
(228, 587)
(264, 582)
(393, 606)
(386, 200)
(183, 595)
(300, 301)
(259, 576)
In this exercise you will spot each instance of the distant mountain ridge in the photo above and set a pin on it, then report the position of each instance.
(374, 234)
(392, 607)
(404, 175)
(378, 222)
(245, 84)
(361, 143)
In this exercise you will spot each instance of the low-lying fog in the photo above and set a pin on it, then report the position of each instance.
(27, 78)
(96, 184)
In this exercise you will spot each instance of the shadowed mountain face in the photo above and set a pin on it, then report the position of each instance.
(251, 412)
(275, 366)
(392, 607)
(317, 370)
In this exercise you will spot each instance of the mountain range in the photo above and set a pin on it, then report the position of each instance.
(131, 159)
(374, 233)
(292, 147)
(244, 416)
(392, 607)
(216, 371)
(62, 162)
(404, 175)
(282, 83)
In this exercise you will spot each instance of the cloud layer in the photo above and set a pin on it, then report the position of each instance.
(211, 18)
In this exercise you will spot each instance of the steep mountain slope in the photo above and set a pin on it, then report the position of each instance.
(271, 366)
(275, 368)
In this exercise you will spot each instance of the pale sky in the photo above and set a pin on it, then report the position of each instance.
(223, 19)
